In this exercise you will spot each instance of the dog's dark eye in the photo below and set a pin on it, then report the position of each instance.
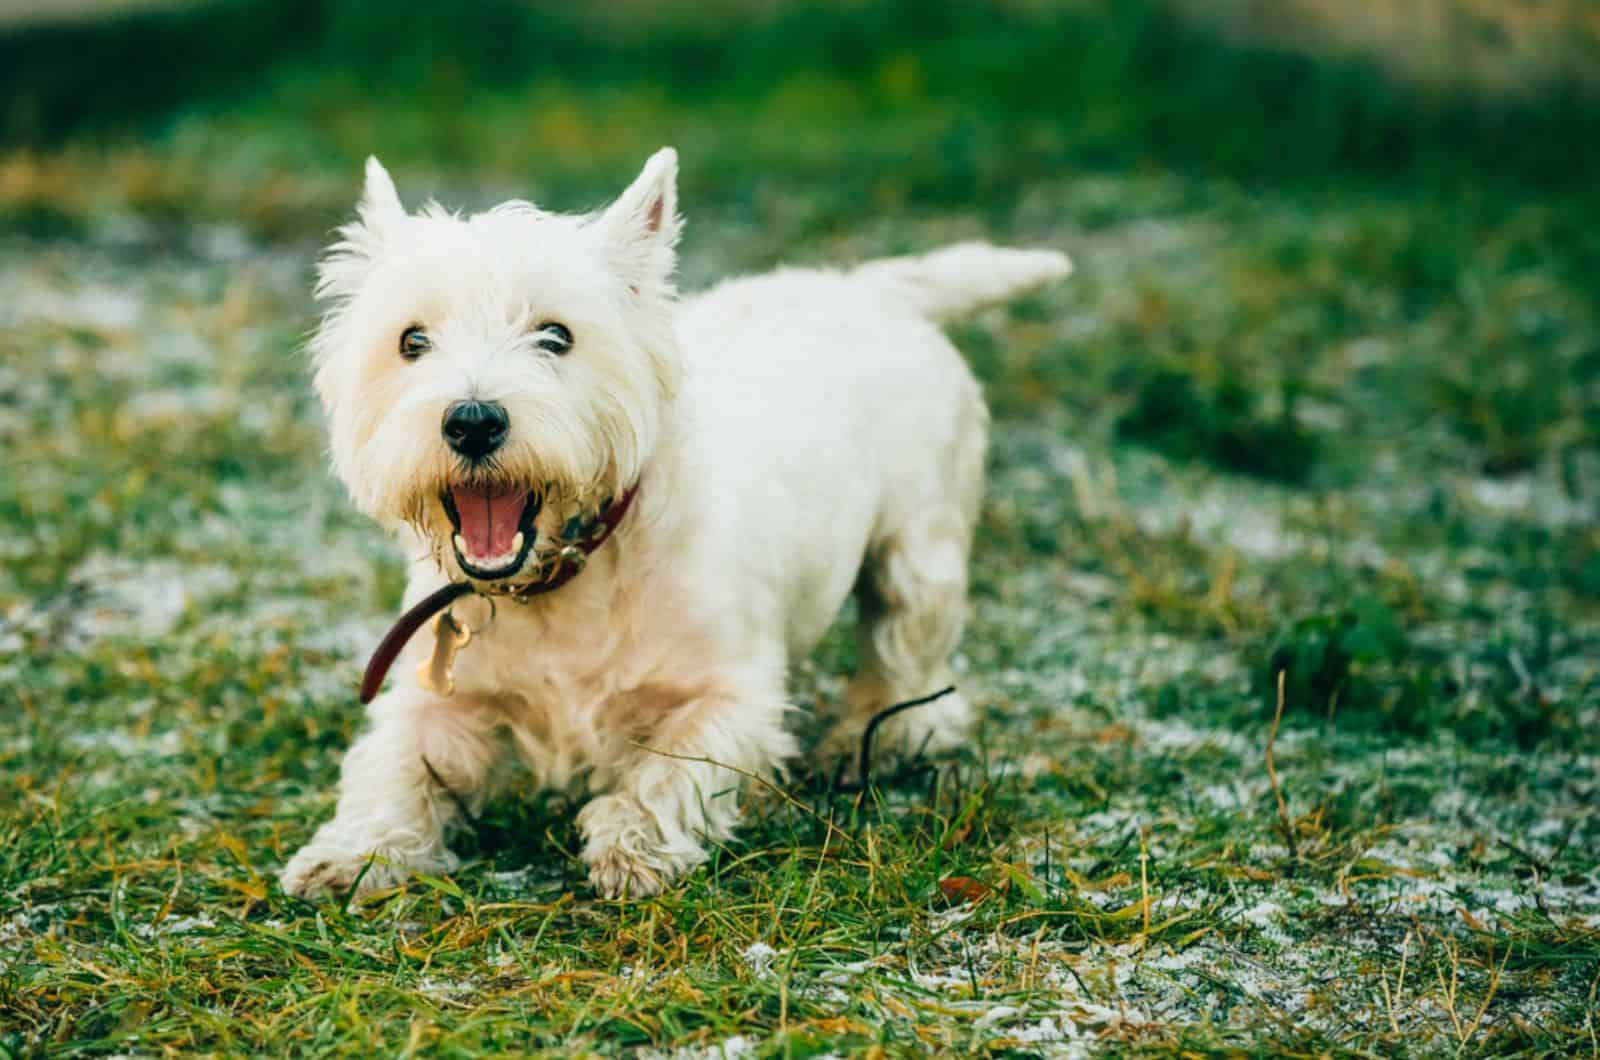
(414, 342)
(554, 337)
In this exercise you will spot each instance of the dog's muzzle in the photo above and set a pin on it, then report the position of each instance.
(580, 539)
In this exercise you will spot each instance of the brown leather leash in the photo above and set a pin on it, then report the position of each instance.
(569, 562)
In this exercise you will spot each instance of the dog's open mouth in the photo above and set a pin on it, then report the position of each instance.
(493, 528)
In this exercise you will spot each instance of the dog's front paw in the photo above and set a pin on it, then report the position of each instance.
(625, 852)
(614, 873)
(322, 870)
(331, 869)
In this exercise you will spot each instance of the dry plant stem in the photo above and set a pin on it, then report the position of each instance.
(1391, 1000)
(1495, 974)
(1144, 884)
(1451, 988)
(1272, 775)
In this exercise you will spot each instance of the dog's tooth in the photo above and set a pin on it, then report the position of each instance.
(461, 545)
(516, 543)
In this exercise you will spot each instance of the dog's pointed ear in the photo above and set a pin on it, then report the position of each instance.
(642, 226)
(347, 261)
(380, 203)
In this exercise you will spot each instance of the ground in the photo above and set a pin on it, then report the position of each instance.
(1312, 448)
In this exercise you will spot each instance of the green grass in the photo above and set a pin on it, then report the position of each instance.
(1331, 418)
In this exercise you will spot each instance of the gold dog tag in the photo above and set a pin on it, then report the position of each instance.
(436, 673)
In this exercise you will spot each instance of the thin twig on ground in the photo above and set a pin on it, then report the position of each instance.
(1495, 974)
(864, 755)
(1144, 884)
(1391, 1000)
(1272, 775)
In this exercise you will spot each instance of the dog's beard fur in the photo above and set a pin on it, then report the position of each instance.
(582, 423)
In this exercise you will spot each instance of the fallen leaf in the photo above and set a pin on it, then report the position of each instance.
(958, 889)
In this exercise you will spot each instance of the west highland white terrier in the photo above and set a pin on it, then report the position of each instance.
(506, 389)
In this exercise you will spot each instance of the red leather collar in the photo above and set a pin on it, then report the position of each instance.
(569, 562)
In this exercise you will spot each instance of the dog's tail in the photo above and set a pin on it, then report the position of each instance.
(955, 280)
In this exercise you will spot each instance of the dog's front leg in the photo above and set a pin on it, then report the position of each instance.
(675, 792)
(402, 786)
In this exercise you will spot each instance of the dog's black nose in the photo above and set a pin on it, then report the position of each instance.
(475, 428)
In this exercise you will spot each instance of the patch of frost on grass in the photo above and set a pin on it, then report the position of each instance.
(738, 1047)
(144, 598)
(758, 957)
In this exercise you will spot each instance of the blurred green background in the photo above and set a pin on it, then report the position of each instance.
(942, 101)
(1322, 402)
(1472, 124)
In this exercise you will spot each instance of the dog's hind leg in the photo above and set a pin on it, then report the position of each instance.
(912, 600)
(403, 785)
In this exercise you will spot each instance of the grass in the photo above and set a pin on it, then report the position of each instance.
(1330, 418)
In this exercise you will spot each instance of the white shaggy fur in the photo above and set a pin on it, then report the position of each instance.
(796, 436)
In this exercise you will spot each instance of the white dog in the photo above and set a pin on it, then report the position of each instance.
(500, 385)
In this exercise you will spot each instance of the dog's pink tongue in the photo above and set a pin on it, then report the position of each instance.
(488, 520)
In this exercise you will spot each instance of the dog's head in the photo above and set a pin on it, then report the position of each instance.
(491, 378)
